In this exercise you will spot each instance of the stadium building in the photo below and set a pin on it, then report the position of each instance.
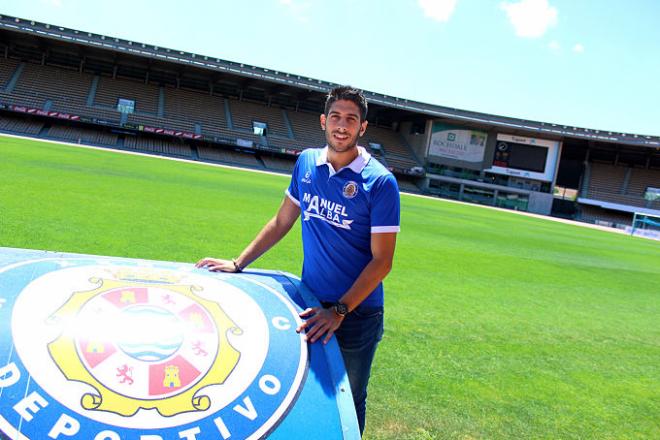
(76, 86)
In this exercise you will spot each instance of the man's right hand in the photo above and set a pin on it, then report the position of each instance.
(216, 265)
(275, 229)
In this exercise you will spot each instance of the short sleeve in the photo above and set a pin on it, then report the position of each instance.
(292, 191)
(385, 205)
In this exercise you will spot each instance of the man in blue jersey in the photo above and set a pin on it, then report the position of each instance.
(350, 217)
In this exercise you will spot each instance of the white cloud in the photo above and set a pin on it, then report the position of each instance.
(554, 45)
(298, 8)
(578, 48)
(438, 10)
(530, 18)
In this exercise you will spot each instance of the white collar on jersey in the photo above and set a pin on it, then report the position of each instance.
(356, 166)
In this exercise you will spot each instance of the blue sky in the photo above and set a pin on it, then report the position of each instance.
(585, 63)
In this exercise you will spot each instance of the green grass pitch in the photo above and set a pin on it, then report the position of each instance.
(498, 326)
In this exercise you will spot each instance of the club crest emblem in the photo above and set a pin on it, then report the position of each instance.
(118, 348)
(144, 345)
(350, 189)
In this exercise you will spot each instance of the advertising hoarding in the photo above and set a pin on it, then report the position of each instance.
(452, 142)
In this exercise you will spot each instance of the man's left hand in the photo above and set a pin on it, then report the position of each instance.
(322, 322)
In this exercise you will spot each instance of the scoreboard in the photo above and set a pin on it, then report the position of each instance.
(525, 157)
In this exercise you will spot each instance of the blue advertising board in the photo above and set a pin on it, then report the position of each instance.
(110, 348)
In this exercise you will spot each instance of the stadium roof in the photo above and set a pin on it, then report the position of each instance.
(310, 90)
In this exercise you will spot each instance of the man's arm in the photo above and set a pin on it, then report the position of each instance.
(272, 232)
(326, 321)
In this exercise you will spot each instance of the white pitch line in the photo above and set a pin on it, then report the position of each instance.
(437, 199)
(526, 214)
(137, 153)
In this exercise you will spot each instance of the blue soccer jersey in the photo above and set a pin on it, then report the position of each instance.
(340, 210)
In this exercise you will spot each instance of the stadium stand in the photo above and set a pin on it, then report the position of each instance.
(7, 69)
(206, 110)
(307, 128)
(109, 90)
(278, 163)
(286, 144)
(159, 146)
(185, 110)
(193, 107)
(408, 186)
(378, 154)
(604, 217)
(245, 113)
(13, 124)
(153, 121)
(608, 183)
(605, 180)
(82, 135)
(641, 179)
(396, 151)
(230, 157)
(50, 88)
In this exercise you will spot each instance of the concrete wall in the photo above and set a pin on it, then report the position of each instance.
(418, 142)
(540, 203)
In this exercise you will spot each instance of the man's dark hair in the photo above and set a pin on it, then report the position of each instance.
(350, 94)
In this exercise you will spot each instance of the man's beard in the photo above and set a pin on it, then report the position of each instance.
(349, 143)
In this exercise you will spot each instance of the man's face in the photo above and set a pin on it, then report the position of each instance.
(342, 125)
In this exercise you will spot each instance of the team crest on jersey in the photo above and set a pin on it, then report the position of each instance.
(115, 348)
(350, 189)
